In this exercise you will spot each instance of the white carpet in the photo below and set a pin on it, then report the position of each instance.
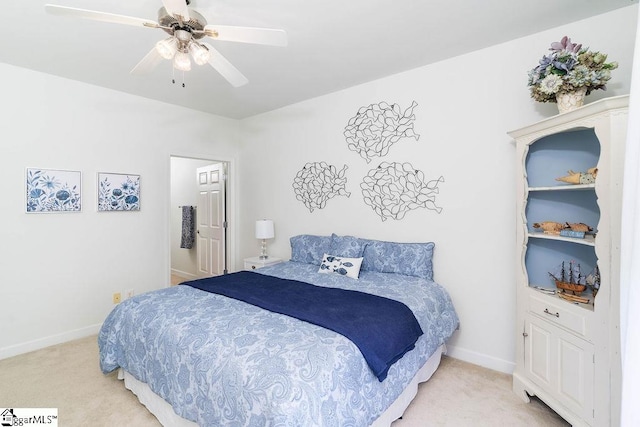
(67, 377)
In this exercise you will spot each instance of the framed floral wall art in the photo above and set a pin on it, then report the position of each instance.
(53, 190)
(118, 192)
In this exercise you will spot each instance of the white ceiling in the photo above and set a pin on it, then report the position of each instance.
(333, 44)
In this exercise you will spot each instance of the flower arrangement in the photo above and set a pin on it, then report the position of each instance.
(569, 68)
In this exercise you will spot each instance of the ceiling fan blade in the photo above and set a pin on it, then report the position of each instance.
(99, 16)
(226, 68)
(177, 8)
(148, 63)
(230, 33)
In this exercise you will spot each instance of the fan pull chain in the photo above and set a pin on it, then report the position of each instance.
(173, 77)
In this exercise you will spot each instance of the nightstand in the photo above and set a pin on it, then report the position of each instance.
(255, 262)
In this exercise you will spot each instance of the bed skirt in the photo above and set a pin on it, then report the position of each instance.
(168, 418)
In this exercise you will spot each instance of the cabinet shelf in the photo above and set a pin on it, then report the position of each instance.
(551, 293)
(589, 239)
(569, 187)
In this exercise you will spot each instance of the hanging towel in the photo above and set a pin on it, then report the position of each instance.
(188, 227)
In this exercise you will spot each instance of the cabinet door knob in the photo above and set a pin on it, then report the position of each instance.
(253, 267)
(546, 310)
(524, 334)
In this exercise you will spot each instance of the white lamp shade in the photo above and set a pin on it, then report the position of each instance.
(200, 53)
(167, 48)
(264, 229)
(181, 61)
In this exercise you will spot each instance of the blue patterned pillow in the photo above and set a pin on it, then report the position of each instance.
(410, 259)
(309, 249)
(347, 246)
(349, 267)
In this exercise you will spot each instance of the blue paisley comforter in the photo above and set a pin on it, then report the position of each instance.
(382, 328)
(223, 362)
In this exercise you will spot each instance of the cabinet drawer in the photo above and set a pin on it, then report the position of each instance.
(561, 314)
(255, 263)
(252, 266)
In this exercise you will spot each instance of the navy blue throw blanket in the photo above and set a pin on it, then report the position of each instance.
(383, 329)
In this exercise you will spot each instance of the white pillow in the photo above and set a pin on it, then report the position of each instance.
(349, 267)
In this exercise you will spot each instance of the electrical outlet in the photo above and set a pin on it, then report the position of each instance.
(117, 298)
(130, 293)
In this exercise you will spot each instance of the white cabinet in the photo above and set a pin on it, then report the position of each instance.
(568, 352)
(559, 362)
(254, 263)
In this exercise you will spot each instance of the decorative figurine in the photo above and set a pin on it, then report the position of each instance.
(588, 177)
(549, 226)
(579, 226)
(567, 229)
(570, 279)
(593, 281)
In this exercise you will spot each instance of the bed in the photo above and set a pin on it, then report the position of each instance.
(200, 358)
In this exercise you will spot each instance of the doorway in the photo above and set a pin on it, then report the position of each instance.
(208, 256)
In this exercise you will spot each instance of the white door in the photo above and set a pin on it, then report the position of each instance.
(211, 220)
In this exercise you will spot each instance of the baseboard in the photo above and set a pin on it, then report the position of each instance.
(463, 354)
(481, 359)
(183, 274)
(15, 350)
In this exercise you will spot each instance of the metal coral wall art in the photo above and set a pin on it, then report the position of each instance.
(393, 189)
(118, 192)
(318, 182)
(375, 128)
(51, 190)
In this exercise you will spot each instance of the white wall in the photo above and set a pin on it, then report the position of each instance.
(59, 271)
(466, 105)
(184, 191)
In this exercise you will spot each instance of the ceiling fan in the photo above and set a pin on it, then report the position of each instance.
(186, 28)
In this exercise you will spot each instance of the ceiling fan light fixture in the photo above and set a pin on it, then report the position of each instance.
(181, 61)
(182, 35)
(200, 53)
(167, 48)
(185, 27)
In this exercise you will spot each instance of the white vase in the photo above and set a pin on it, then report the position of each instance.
(571, 100)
